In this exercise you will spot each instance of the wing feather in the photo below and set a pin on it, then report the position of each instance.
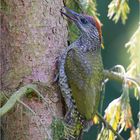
(80, 72)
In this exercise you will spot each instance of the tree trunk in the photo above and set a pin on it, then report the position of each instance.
(33, 34)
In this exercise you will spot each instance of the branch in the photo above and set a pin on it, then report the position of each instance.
(109, 126)
(111, 75)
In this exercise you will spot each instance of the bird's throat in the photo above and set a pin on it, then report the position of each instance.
(88, 43)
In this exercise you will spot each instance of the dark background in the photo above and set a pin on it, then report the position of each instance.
(115, 36)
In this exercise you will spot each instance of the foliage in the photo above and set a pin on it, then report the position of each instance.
(118, 115)
(57, 129)
(60, 130)
(134, 49)
(3, 6)
(84, 6)
(133, 69)
(118, 9)
(89, 6)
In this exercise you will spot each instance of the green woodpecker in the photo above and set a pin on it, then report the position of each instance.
(81, 67)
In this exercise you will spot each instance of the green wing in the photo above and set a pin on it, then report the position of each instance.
(83, 72)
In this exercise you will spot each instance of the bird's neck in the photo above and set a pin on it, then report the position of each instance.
(89, 42)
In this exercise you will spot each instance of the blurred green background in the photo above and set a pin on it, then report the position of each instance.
(115, 36)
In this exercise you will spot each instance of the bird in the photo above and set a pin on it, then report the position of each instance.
(81, 66)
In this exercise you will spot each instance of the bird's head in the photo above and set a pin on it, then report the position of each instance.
(88, 25)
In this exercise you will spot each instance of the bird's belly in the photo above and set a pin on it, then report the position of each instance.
(86, 95)
(84, 75)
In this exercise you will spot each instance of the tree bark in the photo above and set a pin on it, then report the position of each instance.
(32, 36)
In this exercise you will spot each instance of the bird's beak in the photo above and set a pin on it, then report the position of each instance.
(70, 14)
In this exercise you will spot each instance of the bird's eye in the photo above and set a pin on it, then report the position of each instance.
(83, 20)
